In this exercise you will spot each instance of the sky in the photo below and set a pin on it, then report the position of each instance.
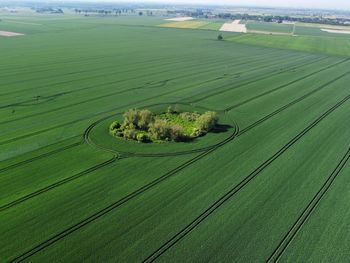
(328, 4)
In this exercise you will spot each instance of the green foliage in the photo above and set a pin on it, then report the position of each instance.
(131, 117)
(160, 130)
(220, 37)
(114, 126)
(144, 126)
(207, 121)
(145, 118)
(142, 137)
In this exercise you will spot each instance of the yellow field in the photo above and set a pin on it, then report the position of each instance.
(186, 24)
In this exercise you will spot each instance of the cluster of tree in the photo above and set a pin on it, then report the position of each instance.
(49, 10)
(104, 12)
(198, 13)
(280, 19)
(144, 126)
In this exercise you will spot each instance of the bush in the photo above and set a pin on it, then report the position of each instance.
(114, 126)
(117, 133)
(196, 133)
(130, 132)
(177, 133)
(190, 116)
(131, 117)
(160, 130)
(145, 118)
(207, 121)
(142, 137)
(143, 126)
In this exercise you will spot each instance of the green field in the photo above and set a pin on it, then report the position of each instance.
(272, 186)
(270, 27)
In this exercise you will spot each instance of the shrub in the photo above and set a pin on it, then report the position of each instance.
(131, 117)
(176, 133)
(142, 137)
(114, 126)
(196, 132)
(130, 132)
(189, 116)
(143, 126)
(207, 121)
(160, 130)
(145, 118)
(117, 133)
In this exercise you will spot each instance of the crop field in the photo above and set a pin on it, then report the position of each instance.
(273, 186)
(269, 27)
(194, 24)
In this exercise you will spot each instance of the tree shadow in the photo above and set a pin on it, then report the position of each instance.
(221, 128)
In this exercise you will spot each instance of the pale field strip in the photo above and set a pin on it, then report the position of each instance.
(180, 19)
(335, 31)
(235, 26)
(24, 23)
(10, 34)
(269, 33)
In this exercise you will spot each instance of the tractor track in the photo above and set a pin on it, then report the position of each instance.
(233, 191)
(86, 118)
(205, 149)
(250, 82)
(218, 63)
(284, 85)
(129, 70)
(143, 189)
(307, 212)
(57, 184)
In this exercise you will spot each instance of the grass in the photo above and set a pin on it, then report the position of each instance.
(71, 192)
(269, 27)
(338, 46)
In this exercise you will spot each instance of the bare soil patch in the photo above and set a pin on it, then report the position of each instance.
(335, 31)
(10, 34)
(235, 26)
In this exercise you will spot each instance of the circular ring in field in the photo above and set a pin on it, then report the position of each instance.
(97, 135)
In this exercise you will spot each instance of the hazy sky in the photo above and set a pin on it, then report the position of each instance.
(333, 4)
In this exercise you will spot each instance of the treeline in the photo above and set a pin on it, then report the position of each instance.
(114, 11)
(49, 10)
(280, 19)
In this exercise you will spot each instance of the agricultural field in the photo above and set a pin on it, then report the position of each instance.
(272, 186)
(194, 24)
(266, 27)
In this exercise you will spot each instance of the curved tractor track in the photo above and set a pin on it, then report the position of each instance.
(148, 186)
(233, 191)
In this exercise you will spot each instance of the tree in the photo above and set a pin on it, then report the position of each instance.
(207, 121)
(220, 37)
(145, 118)
(131, 117)
(160, 130)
